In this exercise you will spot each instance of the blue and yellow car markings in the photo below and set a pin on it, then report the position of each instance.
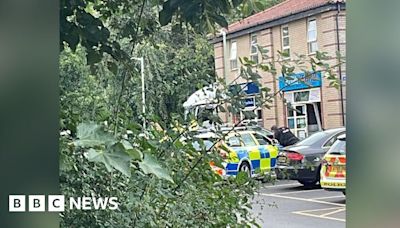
(261, 157)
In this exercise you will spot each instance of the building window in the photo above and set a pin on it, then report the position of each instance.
(285, 42)
(233, 57)
(258, 115)
(253, 48)
(312, 36)
(301, 96)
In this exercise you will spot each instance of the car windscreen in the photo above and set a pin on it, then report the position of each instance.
(263, 131)
(338, 148)
(208, 143)
(313, 139)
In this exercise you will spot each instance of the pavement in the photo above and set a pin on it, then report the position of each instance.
(288, 204)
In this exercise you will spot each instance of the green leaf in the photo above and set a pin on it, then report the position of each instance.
(259, 5)
(112, 67)
(114, 158)
(133, 152)
(242, 178)
(249, 114)
(236, 3)
(91, 134)
(93, 57)
(98, 156)
(149, 165)
(165, 15)
(220, 20)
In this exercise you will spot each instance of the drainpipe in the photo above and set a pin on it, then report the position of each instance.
(340, 67)
(224, 51)
(274, 85)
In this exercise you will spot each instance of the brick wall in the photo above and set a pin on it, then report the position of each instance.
(271, 39)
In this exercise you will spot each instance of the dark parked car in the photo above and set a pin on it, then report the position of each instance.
(302, 161)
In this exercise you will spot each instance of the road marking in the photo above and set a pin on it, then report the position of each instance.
(282, 185)
(333, 212)
(323, 216)
(318, 216)
(329, 197)
(311, 190)
(301, 199)
(321, 209)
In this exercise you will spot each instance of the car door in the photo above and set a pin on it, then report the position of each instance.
(268, 151)
(251, 146)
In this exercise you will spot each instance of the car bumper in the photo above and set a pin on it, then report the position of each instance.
(296, 173)
(333, 183)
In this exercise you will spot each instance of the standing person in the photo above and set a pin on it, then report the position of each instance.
(284, 136)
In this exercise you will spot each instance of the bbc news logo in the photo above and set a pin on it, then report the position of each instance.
(57, 203)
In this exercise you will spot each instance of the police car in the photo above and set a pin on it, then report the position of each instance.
(333, 167)
(246, 151)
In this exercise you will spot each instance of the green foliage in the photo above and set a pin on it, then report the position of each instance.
(149, 165)
(246, 8)
(99, 26)
(90, 135)
(113, 158)
(93, 158)
(177, 64)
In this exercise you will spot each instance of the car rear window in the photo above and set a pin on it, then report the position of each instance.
(338, 148)
(312, 139)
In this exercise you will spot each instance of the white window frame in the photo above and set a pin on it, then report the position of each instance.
(287, 47)
(254, 108)
(233, 56)
(314, 96)
(311, 41)
(254, 55)
(296, 118)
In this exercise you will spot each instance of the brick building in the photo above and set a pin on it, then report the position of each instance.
(294, 27)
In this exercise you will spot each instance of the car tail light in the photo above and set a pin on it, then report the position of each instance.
(295, 156)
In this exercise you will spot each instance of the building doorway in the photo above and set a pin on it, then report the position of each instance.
(304, 119)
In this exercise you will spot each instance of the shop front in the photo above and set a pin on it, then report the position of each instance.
(302, 108)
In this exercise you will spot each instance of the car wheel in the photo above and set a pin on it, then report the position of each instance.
(245, 167)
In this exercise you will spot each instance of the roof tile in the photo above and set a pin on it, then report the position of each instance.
(280, 10)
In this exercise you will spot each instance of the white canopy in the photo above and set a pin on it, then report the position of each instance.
(204, 96)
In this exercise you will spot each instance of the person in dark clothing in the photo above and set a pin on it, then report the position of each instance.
(284, 136)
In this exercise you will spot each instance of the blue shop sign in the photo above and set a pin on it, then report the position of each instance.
(250, 88)
(298, 81)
